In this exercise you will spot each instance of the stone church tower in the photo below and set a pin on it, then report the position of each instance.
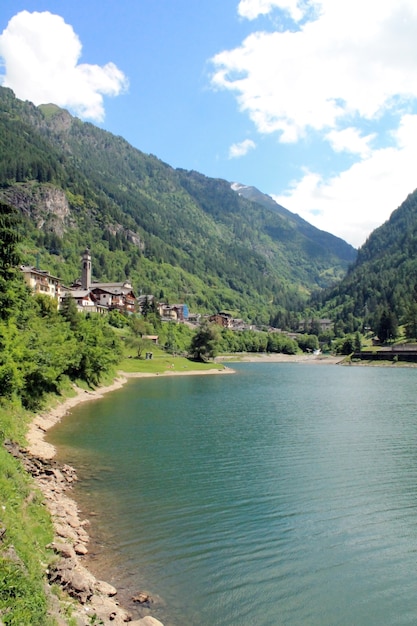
(86, 270)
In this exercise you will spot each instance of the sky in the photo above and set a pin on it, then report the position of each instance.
(312, 102)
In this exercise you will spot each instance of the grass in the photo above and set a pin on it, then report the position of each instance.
(161, 363)
(23, 553)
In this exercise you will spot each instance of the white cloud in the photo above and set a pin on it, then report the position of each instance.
(251, 9)
(355, 58)
(237, 150)
(342, 72)
(41, 55)
(350, 140)
(356, 201)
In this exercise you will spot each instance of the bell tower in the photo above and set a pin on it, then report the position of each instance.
(86, 270)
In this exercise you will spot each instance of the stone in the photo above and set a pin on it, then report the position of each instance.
(80, 549)
(75, 579)
(73, 521)
(107, 609)
(146, 621)
(142, 598)
(64, 549)
(62, 530)
(105, 588)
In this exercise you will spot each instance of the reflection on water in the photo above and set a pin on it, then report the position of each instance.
(285, 494)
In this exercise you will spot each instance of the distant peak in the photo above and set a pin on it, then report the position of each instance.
(239, 187)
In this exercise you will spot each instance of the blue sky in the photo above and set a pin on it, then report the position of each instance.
(314, 103)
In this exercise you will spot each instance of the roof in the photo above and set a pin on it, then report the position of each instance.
(124, 285)
(112, 288)
(34, 270)
(77, 293)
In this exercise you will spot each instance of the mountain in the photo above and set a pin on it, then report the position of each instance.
(384, 276)
(177, 234)
(316, 237)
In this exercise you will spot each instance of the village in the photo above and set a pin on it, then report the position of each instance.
(101, 298)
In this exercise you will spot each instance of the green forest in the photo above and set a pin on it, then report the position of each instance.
(379, 292)
(176, 234)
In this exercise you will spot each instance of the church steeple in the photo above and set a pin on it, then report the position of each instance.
(86, 270)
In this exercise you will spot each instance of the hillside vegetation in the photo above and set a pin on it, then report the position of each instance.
(382, 283)
(177, 234)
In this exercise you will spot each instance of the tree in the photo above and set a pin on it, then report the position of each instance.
(205, 343)
(69, 311)
(410, 321)
(137, 344)
(9, 238)
(170, 344)
(315, 327)
(387, 327)
(308, 343)
(137, 325)
(348, 345)
(12, 289)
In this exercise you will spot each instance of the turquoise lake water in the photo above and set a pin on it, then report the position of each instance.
(285, 494)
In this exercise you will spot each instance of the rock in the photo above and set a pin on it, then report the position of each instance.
(82, 535)
(62, 530)
(73, 521)
(142, 598)
(105, 588)
(79, 586)
(146, 621)
(64, 549)
(11, 555)
(80, 549)
(75, 579)
(106, 609)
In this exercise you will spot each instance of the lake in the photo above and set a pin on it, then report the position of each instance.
(285, 494)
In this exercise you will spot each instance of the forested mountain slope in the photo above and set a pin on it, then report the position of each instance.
(174, 233)
(315, 238)
(384, 277)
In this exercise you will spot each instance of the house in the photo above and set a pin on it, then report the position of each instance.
(323, 325)
(153, 338)
(193, 318)
(84, 300)
(222, 319)
(41, 281)
(115, 295)
(98, 297)
(173, 312)
(145, 301)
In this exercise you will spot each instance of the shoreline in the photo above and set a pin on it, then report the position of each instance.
(93, 597)
(262, 357)
(45, 420)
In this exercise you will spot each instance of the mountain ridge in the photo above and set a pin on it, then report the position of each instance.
(327, 239)
(197, 236)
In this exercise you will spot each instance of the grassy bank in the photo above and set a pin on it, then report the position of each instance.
(26, 529)
(162, 362)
